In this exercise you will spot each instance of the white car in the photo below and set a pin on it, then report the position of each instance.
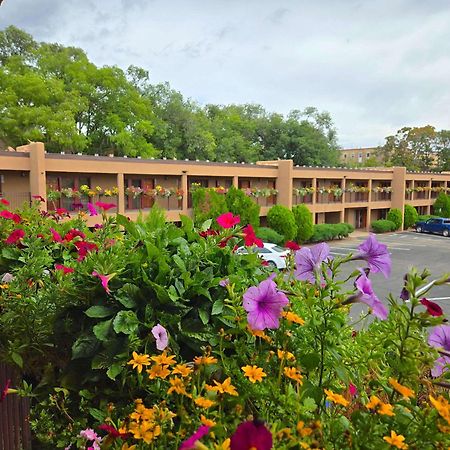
(272, 253)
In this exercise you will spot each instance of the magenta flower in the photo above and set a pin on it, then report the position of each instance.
(433, 309)
(250, 237)
(90, 435)
(160, 334)
(190, 443)
(56, 236)
(292, 245)
(4, 391)
(376, 254)
(92, 210)
(11, 216)
(104, 279)
(308, 261)
(15, 236)
(228, 220)
(73, 233)
(5, 202)
(352, 390)
(264, 304)
(65, 269)
(251, 435)
(105, 206)
(440, 338)
(367, 296)
(83, 248)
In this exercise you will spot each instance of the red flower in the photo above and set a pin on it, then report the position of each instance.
(62, 211)
(251, 435)
(15, 236)
(4, 391)
(433, 309)
(105, 206)
(65, 269)
(73, 233)
(224, 242)
(292, 245)
(265, 263)
(38, 197)
(3, 201)
(250, 237)
(208, 232)
(112, 431)
(56, 236)
(227, 220)
(83, 249)
(9, 215)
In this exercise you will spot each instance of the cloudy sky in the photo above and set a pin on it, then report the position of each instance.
(375, 65)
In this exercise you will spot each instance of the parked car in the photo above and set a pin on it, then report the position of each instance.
(272, 253)
(439, 225)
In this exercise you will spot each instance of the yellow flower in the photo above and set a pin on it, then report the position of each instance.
(127, 447)
(205, 360)
(442, 406)
(386, 409)
(373, 403)
(177, 385)
(260, 334)
(285, 355)
(164, 359)
(225, 445)
(336, 398)
(293, 374)
(204, 402)
(396, 440)
(292, 317)
(158, 371)
(405, 391)
(253, 373)
(224, 388)
(182, 369)
(302, 430)
(207, 422)
(147, 431)
(139, 361)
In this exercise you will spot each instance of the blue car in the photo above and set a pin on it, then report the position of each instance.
(438, 225)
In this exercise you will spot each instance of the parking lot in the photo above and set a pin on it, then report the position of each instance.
(407, 249)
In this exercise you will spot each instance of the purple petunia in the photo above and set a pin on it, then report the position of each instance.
(376, 254)
(309, 260)
(251, 434)
(92, 209)
(264, 304)
(440, 338)
(160, 334)
(367, 295)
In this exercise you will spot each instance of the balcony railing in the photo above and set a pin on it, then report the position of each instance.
(355, 197)
(307, 198)
(328, 198)
(381, 196)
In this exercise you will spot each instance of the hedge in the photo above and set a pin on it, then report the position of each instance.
(410, 216)
(330, 231)
(395, 216)
(383, 226)
(269, 235)
(282, 220)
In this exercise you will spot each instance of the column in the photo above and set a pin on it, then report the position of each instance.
(185, 189)
(236, 181)
(121, 195)
(38, 179)
(398, 189)
(285, 183)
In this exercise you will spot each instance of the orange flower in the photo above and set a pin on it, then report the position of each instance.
(205, 360)
(302, 430)
(336, 398)
(292, 317)
(177, 385)
(396, 440)
(182, 369)
(293, 374)
(139, 361)
(386, 409)
(204, 402)
(442, 406)
(224, 388)
(405, 391)
(373, 403)
(260, 334)
(158, 371)
(207, 422)
(164, 359)
(253, 373)
(285, 355)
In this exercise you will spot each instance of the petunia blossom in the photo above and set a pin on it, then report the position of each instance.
(73, 233)
(190, 443)
(228, 220)
(105, 206)
(38, 197)
(264, 304)
(55, 235)
(251, 435)
(104, 279)
(11, 216)
(292, 245)
(5, 390)
(83, 248)
(308, 261)
(376, 254)
(92, 210)
(433, 309)
(225, 282)
(367, 295)
(113, 432)
(5, 202)
(62, 212)
(15, 236)
(440, 338)
(160, 334)
(65, 269)
(250, 237)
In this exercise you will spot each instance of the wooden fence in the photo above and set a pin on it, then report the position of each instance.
(14, 416)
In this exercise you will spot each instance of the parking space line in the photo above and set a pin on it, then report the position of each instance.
(438, 298)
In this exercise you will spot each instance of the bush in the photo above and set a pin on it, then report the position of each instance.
(282, 220)
(423, 217)
(242, 205)
(207, 204)
(410, 216)
(383, 226)
(396, 216)
(330, 231)
(269, 235)
(441, 206)
(304, 222)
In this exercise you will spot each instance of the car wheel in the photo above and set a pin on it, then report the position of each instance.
(445, 233)
(419, 229)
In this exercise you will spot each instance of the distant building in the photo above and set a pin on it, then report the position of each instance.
(353, 156)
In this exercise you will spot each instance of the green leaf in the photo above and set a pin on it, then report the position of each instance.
(114, 370)
(99, 312)
(128, 225)
(217, 307)
(84, 346)
(97, 414)
(17, 359)
(126, 322)
(310, 361)
(160, 292)
(102, 330)
(9, 253)
(206, 225)
(179, 262)
(127, 295)
(204, 316)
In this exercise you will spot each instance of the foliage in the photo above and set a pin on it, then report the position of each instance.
(441, 206)
(410, 216)
(268, 235)
(88, 349)
(304, 221)
(423, 217)
(243, 206)
(282, 220)
(207, 204)
(330, 231)
(383, 226)
(395, 216)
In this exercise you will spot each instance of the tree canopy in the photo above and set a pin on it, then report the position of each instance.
(54, 94)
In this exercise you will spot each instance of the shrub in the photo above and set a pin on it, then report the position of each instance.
(396, 216)
(282, 220)
(441, 206)
(330, 231)
(410, 216)
(269, 235)
(383, 226)
(242, 205)
(207, 204)
(304, 221)
(423, 217)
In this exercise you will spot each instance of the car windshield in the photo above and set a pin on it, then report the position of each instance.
(278, 249)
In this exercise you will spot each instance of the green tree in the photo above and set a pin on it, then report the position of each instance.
(304, 221)
(410, 217)
(282, 220)
(441, 206)
(395, 215)
(242, 205)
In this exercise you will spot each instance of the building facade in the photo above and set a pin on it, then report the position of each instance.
(356, 196)
(353, 156)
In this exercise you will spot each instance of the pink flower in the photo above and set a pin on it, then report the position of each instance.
(38, 197)
(250, 237)
(292, 245)
(4, 391)
(112, 431)
(9, 215)
(15, 236)
(73, 233)
(251, 435)
(433, 309)
(65, 269)
(105, 206)
(160, 334)
(56, 236)
(83, 249)
(225, 282)
(264, 304)
(228, 220)
(92, 210)
(5, 202)
(376, 255)
(367, 295)
(189, 444)
(352, 390)
(104, 279)
(308, 261)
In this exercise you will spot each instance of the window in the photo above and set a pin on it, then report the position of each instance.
(368, 154)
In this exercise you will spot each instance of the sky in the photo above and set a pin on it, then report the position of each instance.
(375, 65)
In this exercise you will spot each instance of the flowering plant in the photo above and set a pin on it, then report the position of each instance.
(303, 191)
